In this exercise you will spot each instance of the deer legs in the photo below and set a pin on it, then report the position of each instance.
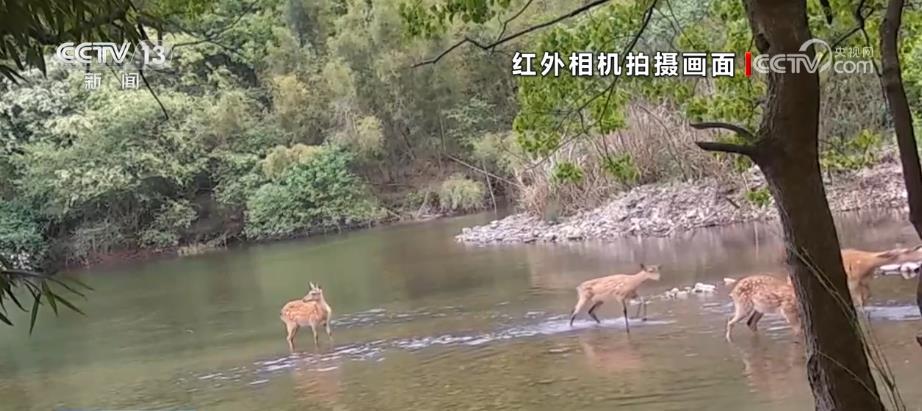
(592, 312)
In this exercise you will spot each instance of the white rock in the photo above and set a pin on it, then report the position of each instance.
(890, 267)
(704, 288)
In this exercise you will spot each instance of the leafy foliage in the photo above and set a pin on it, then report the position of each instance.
(30, 26)
(316, 193)
(21, 235)
(852, 154)
(759, 197)
(621, 167)
(458, 193)
(173, 219)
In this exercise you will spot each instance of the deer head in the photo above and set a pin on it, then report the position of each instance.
(651, 271)
(315, 293)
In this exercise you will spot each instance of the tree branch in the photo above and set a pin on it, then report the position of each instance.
(513, 17)
(742, 131)
(746, 150)
(726, 148)
(482, 171)
(513, 36)
(860, 18)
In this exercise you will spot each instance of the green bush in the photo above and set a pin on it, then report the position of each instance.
(566, 172)
(280, 159)
(852, 154)
(319, 193)
(759, 197)
(622, 168)
(93, 239)
(21, 238)
(458, 193)
(169, 224)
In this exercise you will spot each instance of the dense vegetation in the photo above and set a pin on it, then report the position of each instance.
(284, 118)
(292, 117)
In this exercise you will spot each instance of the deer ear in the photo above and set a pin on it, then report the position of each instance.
(643, 267)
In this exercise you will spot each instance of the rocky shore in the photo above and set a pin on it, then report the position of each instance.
(666, 209)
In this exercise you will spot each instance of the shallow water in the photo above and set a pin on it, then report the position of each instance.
(424, 323)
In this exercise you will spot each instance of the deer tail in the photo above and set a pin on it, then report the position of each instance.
(729, 281)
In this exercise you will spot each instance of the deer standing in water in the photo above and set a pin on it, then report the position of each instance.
(310, 311)
(616, 287)
(860, 265)
(757, 295)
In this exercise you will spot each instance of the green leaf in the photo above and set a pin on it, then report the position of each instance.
(68, 304)
(35, 304)
(51, 297)
(5, 320)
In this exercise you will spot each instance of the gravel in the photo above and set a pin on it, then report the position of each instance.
(664, 209)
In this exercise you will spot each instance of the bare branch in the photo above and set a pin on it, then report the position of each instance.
(608, 91)
(860, 18)
(481, 170)
(827, 10)
(513, 36)
(509, 20)
(727, 148)
(742, 131)
(166, 115)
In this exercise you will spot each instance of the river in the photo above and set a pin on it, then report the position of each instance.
(424, 323)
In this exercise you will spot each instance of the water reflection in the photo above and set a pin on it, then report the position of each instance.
(606, 355)
(422, 322)
(317, 383)
(769, 366)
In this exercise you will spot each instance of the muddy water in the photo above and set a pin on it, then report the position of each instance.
(424, 323)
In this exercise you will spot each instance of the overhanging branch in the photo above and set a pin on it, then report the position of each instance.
(726, 148)
(742, 131)
(513, 36)
(733, 148)
(510, 19)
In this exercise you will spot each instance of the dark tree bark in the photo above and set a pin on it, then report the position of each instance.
(892, 83)
(786, 150)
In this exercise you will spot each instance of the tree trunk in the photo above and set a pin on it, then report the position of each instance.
(892, 83)
(786, 150)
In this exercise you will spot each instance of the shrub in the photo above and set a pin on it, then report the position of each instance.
(622, 168)
(319, 193)
(21, 239)
(458, 193)
(366, 138)
(759, 197)
(93, 239)
(853, 153)
(280, 159)
(567, 172)
(169, 224)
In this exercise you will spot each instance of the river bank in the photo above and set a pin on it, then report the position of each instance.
(122, 257)
(665, 209)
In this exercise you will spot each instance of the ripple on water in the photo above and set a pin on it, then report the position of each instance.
(893, 312)
(537, 323)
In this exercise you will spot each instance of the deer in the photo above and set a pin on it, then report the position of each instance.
(312, 311)
(757, 295)
(615, 287)
(860, 266)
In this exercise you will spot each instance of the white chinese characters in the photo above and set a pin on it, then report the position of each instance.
(634, 64)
